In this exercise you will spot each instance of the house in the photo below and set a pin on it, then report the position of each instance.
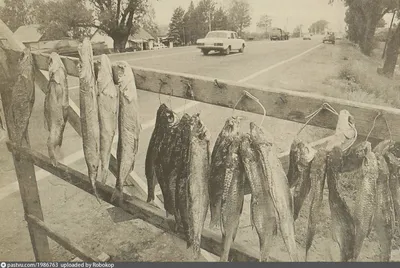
(100, 37)
(30, 36)
(141, 40)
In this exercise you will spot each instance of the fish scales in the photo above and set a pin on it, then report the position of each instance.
(365, 202)
(56, 105)
(108, 103)
(129, 126)
(318, 176)
(355, 157)
(343, 229)
(262, 208)
(394, 183)
(278, 186)
(232, 197)
(89, 112)
(218, 167)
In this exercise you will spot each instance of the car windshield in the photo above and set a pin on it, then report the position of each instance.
(217, 35)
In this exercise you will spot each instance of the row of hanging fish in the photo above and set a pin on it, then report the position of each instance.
(108, 105)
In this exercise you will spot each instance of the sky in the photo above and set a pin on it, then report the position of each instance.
(289, 13)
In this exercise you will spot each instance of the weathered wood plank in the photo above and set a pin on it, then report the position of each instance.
(24, 169)
(103, 257)
(60, 239)
(133, 205)
(279, 103)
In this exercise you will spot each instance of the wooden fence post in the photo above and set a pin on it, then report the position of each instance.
(24, 168)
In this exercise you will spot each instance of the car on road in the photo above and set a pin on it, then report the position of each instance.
(159, 46)
(306, 36)
(221, 41)
(329, 38)
(278, 34)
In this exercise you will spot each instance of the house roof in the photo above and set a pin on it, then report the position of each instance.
(28, 33)
(141, 34)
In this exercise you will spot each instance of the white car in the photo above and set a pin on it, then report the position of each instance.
(159, 46)
(221, 41)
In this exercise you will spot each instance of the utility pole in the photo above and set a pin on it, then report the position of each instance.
(209, 21)
(387, 39)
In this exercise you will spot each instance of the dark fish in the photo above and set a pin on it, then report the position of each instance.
(384, 215)
(278, 186)
(199, 170)
(365, 201)
(232, 197)
(262, 207)
(301, 175)
(354, 158)
(89, 112)
(164, 116)
(218, 167)
(394, 183)
(129, 127)
(108, 103)
(56, 105)
(343, 229)
(318, 176)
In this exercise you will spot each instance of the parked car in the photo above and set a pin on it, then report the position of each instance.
(329, 38)
(157, 46)
(221, 41)
(306, 36)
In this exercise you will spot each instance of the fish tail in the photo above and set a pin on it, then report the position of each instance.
(227, 245)
(93, 182)
(215, 210)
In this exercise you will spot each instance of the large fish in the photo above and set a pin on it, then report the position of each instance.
(262, 207)
(199, 170)
(163, 117)
(278, 186)
(354, 158)
(318, 176)
(365, 202)
(56, 105)
(343, 229)
(232, 197)
(108, 112)
(21, 98)
(345, 132)
(301, 175)
(89, 112)
(218, 167)
(384, 215)
(129, 127)
(394, 170)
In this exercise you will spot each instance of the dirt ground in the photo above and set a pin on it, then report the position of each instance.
(78, 216)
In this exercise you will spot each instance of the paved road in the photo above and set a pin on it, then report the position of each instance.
(253, 66)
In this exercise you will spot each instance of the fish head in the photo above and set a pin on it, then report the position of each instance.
(360, 150)
(246, 149)
(305, 153)
(232, 125)
(383, 147)
(165, 115)
(198, 129)
(260, 135)
(346, 124)
(26, 62)
(86, 63)
(122, 72)
(56, 67)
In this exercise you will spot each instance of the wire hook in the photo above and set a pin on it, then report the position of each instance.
(246, 93)
(373, 125)
(311, 116)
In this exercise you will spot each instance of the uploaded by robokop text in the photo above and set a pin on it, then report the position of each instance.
(56, 265)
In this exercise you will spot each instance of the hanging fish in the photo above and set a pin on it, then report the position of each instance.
(343, 229)
(56, 105)
(355, 157)
(278, 186)
(108, 103)
(129, 127)
(89, 112)
(345, 133)
(365, 200)
(262, 207)
(394, 181)
(218, 167)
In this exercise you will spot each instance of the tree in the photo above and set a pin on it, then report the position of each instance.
(176, 30)
(16, 13)
(220, 20)
(55, 23)
(392, 51)
(239, 15)
(318, 27)
(202, 17)
(149, 23)
(190, 24)
(264, 23)
(297, 30)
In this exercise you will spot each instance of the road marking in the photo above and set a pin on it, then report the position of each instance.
(276, 65)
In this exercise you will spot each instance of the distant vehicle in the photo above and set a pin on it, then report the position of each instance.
(306, 36)
(159, 46)
(221, 41)
(329, 38)
(278, 34)
(339, 36)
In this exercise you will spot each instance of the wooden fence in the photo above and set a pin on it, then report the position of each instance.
(282, 104)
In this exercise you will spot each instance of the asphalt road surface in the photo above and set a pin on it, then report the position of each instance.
(257, 65)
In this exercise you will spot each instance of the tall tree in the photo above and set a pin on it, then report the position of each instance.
(264, 23)
(392, 50)
(239, 15)
(220, 20)
(149, 23)
(190, 24)
(16, 13)
(318, 27)
(176, 30)
(203, 15)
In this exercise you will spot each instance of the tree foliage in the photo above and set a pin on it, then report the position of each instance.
(239, 15)
(318, 27)
(264, 22)
(16, 13)
(220, 20)
(176, 26)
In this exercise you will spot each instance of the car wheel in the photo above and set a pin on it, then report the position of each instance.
(227, 51)
(242, 49)
(205, 52)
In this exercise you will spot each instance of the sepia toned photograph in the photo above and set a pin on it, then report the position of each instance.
(136, 131)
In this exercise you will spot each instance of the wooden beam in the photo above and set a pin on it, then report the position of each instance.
(24, 170)
(103, 257)
(133, 205)
(279, 103)
(63, 241)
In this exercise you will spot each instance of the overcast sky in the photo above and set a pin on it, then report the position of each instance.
(294, 12)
